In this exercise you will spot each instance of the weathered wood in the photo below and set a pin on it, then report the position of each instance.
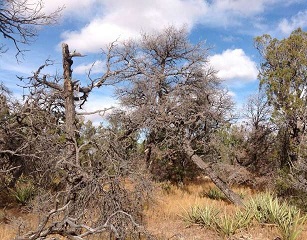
(207, 169)
(70, 112)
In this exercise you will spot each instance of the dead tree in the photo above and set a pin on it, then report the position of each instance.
(19, 20)
(91, 169)
(173, 96)
(207, 169)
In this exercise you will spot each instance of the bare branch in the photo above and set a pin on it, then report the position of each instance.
(43, 79)
(9, 170)
(18, 20)
(100, 112)
(76, 54)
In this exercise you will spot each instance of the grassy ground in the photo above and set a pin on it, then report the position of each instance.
(163, 216)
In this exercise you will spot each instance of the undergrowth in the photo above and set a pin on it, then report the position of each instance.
(261, 209)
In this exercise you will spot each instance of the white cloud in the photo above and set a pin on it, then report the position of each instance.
(96, 35)
(299, 20)
(95, 67)
(82, 9)
(242, 7)
(231, 94)
(224, 13)
(98, 102)
(234, 65)
(126, 19)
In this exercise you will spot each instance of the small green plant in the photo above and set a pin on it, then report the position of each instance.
(265, 208)
(23, 190)
(244, 218)
(225, 224)
(228, 224)
(192, 215)
(262, 206)
(215, 194)
(204, 216)
(208, 216)
(290, 226)
(23, 193)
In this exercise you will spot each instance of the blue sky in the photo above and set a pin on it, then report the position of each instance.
(228, 26)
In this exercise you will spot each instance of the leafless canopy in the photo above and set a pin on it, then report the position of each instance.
(174, 97)
(91, 165)
(20, 19)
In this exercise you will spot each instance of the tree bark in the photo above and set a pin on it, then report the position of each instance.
(232, 196)
(70, 112)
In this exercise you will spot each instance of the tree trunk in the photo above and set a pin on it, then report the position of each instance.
(232, 196)
(70, 112)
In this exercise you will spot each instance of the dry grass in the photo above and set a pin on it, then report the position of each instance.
(163, 217)
(7, 232)
(19, 221)
(16, 219)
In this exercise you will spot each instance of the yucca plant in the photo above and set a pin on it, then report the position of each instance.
(228, 224)
(204, 216)
(262, 206)
(265, 208)
(244, 217)
(23, 193)
(208, 216)
(268, 209)
(192, 215)
(290, 224)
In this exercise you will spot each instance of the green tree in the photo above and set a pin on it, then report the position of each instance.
(283, 74)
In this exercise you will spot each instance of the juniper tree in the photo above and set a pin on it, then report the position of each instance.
(283, 75)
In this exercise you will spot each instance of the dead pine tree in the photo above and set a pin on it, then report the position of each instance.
(174, 97)
(70, 108)
(96, 188)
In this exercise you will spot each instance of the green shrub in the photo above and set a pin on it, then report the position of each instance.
(268, 209)
(264, 208)
(166, 187)
(284, 188)
(225, 224)
(214, 193)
